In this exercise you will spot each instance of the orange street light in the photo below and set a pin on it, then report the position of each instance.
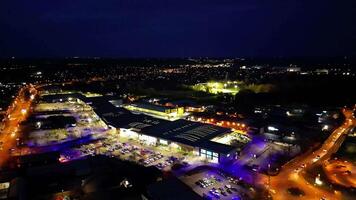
(23, 111)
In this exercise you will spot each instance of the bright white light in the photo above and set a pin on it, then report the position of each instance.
(148, 139)
(325, 128)
(23, 111)
(164, 142)
(318, 181)
(271, 128)
(128, 133)
(90, 120)
(38, 124)
(174, 145)
(126, 183)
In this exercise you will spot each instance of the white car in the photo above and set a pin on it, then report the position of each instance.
(316, 158)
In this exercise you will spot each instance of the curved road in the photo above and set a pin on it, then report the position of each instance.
(292, 174)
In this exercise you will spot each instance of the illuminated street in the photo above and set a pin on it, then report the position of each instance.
(292, 174)
(16, 113)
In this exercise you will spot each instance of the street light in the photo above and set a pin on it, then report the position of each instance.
(318, 181)
(38, 125)
(269, 176)
(23, 111)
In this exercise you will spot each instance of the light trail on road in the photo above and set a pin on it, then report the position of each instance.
(292, 173)
(17, 112)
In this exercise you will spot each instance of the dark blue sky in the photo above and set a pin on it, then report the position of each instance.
(177, 28)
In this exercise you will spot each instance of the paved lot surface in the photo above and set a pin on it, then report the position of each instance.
(223, 186)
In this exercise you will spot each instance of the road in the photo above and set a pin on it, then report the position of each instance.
(292, 174)
(17, 112)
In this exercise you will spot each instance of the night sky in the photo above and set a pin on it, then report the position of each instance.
(177, 28)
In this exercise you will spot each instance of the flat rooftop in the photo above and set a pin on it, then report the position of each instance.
(151, 106)
(181, 131)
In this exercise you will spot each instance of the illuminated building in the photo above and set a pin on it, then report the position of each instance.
(188, 136)
(4, 188)
(192, 137)
(195, 138)
(164, 112)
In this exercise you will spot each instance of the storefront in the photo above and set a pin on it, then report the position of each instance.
(209, 155)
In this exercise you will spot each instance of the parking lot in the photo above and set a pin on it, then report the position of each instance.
(112, 147)
(212, 184)
(60, 122)
(88, 123)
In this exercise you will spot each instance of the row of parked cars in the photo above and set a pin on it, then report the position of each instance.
(218, 192)
(167, 162)
(144, 156)
(231, 179)
(151, 159)
(206, 182)
(224, 187)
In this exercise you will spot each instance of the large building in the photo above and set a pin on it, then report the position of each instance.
(193, 137)
(189, 136)
(205, 140)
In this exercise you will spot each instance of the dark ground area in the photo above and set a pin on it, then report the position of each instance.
(97, 177)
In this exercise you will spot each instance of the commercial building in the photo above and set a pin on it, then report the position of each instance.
(205, 140)
(159, 111)
(192, 137)
(188, 136)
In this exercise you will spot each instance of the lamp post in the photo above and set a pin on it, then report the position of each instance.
(269, 179)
